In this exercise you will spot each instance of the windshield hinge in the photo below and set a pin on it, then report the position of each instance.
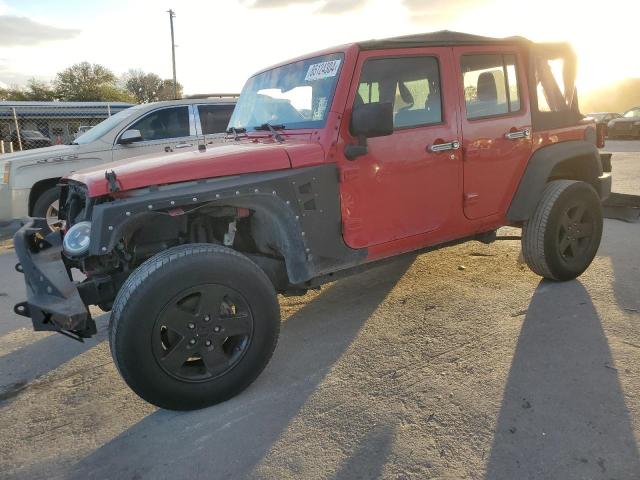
(113, 181)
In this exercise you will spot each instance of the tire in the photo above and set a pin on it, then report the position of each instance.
(185, 290)
(562, 236)
(47, 206)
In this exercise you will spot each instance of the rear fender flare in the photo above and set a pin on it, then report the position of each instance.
(540, 168)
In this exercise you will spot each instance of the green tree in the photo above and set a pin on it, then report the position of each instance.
(38, 90)
(144, 86)
(166, 91)
(89, 82)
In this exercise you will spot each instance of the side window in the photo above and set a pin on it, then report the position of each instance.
(163, 124)
(214, 118)
(490, 85)
(411, 84)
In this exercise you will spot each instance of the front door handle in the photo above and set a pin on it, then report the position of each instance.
(441, 147)
(515, 135)
(183, 145)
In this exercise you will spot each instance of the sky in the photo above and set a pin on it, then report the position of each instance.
(222, 42)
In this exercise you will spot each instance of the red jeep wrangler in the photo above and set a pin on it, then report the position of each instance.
(333, 161)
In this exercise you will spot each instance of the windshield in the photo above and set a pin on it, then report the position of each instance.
(597, 116)
(105, 126)
(297, 95)
(634, 113)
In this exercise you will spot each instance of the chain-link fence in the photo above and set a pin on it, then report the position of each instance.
(27, 125)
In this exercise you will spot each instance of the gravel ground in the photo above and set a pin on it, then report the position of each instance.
(417, 369)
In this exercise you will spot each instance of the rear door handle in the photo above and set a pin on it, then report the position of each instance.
(183, 145)
(442, 147)
(524, 133)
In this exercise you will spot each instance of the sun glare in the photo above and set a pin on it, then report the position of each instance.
(603, 34)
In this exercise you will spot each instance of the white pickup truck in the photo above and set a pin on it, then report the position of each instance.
(28, 180)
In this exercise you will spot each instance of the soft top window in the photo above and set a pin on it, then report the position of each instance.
(556, 100)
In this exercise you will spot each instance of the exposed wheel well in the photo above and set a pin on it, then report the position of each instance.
(38, 189)
(580, 168)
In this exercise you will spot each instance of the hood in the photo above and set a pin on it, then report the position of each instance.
(625, 120)
(226, 159)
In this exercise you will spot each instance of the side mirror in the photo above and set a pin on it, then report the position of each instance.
(368, 121)
(130, 136)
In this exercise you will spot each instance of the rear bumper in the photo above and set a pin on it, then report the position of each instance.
(604, 185)
(53, 300)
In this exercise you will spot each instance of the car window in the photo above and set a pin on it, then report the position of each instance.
(165, 123)
(490, 85)
(214, 118)
(411, 84)
(633, 113)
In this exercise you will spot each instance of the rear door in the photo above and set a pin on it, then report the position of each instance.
(496, 126)
(212, 120)
(409, 182)
(163, 130)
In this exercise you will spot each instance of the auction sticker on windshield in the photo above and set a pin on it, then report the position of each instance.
(318, 71)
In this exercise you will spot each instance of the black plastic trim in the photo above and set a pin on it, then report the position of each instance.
(300, 208)
(539, 169)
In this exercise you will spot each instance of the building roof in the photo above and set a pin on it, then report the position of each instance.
(440, 38)
(9, 104)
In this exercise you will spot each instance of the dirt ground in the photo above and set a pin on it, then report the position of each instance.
(458, 363)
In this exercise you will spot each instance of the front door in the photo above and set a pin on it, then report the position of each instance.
(409, 182)
(164, 130)
(496, 127)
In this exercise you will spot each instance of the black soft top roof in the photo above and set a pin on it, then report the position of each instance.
(441, 38)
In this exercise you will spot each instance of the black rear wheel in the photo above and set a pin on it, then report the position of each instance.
(562, 237)
(194, 326)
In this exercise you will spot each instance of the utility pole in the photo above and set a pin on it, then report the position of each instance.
(172, 15)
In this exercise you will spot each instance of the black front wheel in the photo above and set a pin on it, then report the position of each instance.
(194, 326)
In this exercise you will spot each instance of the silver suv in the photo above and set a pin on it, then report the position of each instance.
(28, 181)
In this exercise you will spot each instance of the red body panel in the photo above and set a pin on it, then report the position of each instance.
(399, 188)
(493, 165)
(227, 159)
(541, 139)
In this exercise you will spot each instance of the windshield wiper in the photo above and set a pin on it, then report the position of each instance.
(236, 131)
(272, 129)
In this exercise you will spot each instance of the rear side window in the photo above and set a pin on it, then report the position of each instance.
(163, 124)
(411, 84)
(214, 118)
(490, 85)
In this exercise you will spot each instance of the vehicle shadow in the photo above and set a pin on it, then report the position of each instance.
(24, 365)
(563, 413)
(377, 445)
(229, 440)
(620, 243)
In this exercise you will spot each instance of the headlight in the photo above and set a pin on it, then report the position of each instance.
(76, 241)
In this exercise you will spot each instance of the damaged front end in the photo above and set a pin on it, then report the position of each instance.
(54, 302)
